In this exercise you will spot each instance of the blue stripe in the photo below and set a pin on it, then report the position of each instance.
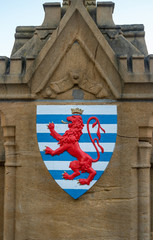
(106, 137)
(57, 174)
(75, 193)
(104, 119)
(104, 157)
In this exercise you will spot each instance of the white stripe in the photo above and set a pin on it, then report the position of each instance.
(64, 165)
(73, 184)
(66, 109)
(61, 128)
(86, 147)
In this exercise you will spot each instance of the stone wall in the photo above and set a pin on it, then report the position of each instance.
(78, 56)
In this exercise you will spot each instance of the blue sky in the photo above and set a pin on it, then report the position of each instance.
(15, 13)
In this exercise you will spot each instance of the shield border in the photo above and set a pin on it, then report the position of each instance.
(50, 110)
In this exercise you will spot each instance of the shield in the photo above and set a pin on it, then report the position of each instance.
(76, 143)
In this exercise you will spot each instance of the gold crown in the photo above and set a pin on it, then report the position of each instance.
(76, 111)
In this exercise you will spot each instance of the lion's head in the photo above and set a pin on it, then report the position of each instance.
(76, 122)
(75, 130)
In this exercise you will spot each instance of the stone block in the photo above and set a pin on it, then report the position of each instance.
(52, 15)
(16, 66)
(29, 62)
(104, 14)
(3, 63)
(151, 63)
(138, 64)
(145, 133)
(123, 60)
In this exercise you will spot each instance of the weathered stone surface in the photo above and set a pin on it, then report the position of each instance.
(22, 35)
(43, 208)
(135, 34)
(69, 63)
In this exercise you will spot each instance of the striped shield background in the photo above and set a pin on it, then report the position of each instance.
(56, 165)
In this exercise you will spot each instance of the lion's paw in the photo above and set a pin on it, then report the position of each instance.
(67, 176)
(84, 181)
(48, 150)
(51, 126)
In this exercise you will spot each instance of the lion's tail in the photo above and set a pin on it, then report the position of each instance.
(96, 139)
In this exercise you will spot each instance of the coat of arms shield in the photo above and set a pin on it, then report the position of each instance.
(76, 143)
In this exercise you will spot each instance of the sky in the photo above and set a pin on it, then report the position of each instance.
(15, 13)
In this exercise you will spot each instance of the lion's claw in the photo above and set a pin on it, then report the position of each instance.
(51, 126)
(48, 150)
(84, 181)
(67, 176)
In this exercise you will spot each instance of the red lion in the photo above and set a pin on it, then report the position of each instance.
(69, 142)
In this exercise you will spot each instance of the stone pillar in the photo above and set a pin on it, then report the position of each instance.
(52, 15)
(104, 14)
(10, 183)
(144, 155)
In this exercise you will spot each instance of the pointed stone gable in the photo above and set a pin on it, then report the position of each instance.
(92, 48)
(78, 48)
